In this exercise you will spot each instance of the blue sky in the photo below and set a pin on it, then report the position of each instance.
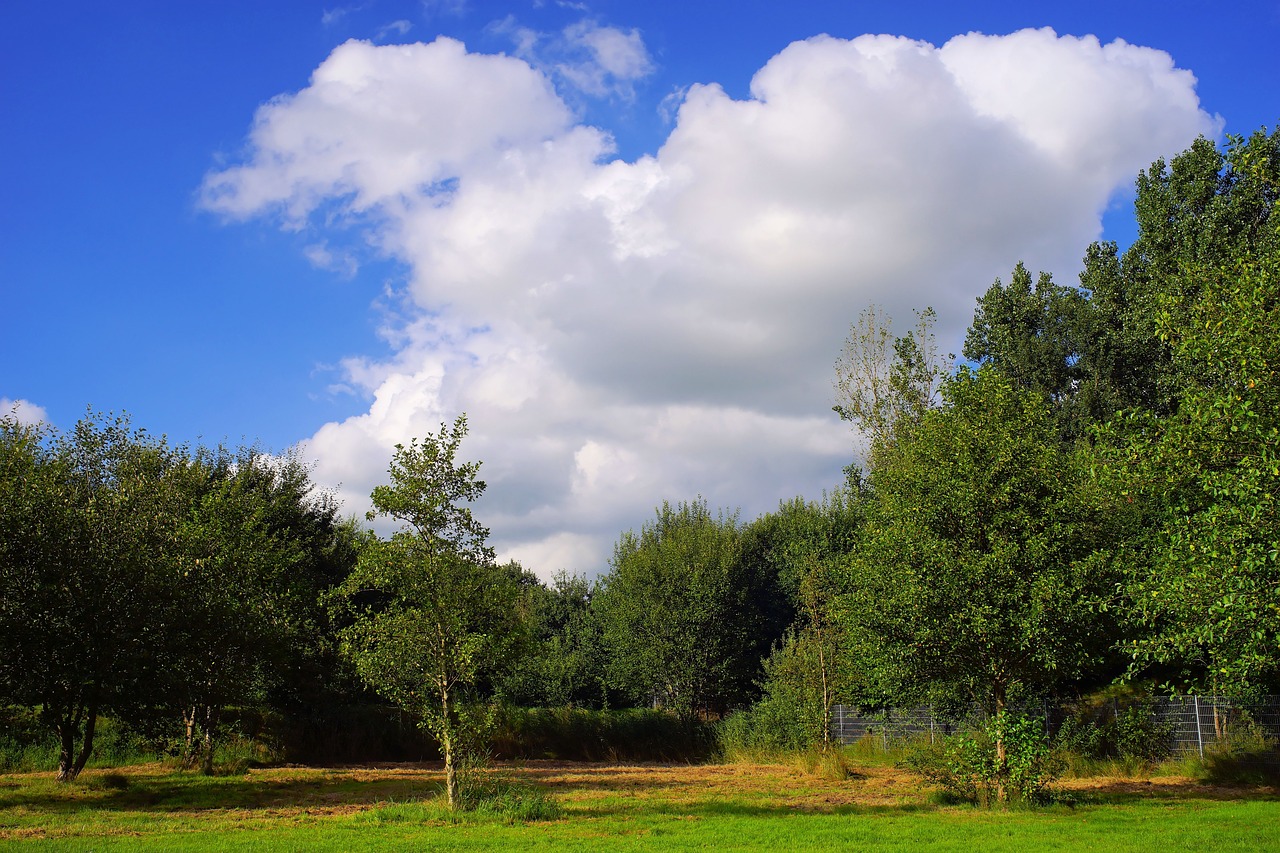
(645, 306)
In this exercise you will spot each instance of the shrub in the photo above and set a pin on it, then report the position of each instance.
(767, 728)
(968, 769)
(1245, 755)
(579, 734)
(1116, 723)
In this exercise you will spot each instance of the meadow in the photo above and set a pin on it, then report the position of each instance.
(614, 806)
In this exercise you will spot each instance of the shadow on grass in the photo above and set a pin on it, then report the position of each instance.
(180, 791)
(159, 790)
(1125, 792)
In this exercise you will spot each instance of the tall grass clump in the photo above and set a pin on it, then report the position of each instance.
(1113, 732)
(1244, 755)
(771, 732)
(580, 734)
(484, 794)
(762, 732)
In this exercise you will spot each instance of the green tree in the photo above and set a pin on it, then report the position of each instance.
(1035, 337)
(84, 577)
(242, 591)
(984, 570)
(433, 613)
(798, 545)
(1207, 586)
(675, 613)
(566, 661)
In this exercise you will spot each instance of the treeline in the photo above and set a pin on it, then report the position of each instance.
(157, 583)
(1091, 497)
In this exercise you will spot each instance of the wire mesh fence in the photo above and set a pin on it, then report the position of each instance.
(1192, 723)
(1196, 722)
(892, 727)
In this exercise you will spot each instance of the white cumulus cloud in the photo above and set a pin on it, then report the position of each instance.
(619, 332)
(23, 411)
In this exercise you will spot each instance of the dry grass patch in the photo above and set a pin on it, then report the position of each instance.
(765, 786)
(302, 804)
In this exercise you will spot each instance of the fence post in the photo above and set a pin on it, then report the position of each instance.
(1199, 736)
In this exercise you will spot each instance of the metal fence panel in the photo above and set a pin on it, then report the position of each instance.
(1193, 722)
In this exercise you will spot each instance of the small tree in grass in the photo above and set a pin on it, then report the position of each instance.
(432, 611)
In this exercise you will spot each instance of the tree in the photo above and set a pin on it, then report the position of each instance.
(984, 568)
(798, 546)
(885, 383)
(566, 662)
(1208, 472)
(432, 611)
(84, 576)
(242, 549)
(1033, 336)
(676, 620)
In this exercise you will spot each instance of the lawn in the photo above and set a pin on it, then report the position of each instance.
(642, 807)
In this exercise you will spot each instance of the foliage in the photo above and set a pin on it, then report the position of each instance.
(1117, 723)
(676, 619)
(1245, 755)
(792, 715)
(234, 576)
(432, 613)
(1029, 334)
(1209, 474)
(584, 734)
(884, 383)
(565, 663)
(86, 519)
(984, 570)
(973, 768)
(797, 546)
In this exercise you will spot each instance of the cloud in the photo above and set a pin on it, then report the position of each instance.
(620, 333)
(23, 411)
(322, 257)
(613, 59)
(398, 28)
(332, 17)
(595, 60)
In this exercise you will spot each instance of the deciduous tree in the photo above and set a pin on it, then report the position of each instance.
(984, 569)
(432, 611)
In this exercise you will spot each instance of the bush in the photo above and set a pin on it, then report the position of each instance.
(1245, 755)
(768, 728)
(1118, 723)
(968, 769)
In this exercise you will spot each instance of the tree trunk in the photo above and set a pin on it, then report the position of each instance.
(1002, 755)
(70, 764)
(68, 729)
(189, 744)
(210, 722)
(447, 744)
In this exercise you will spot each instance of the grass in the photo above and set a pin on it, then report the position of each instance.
(626, 807)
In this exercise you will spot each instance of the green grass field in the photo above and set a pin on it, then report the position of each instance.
(645, 807)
